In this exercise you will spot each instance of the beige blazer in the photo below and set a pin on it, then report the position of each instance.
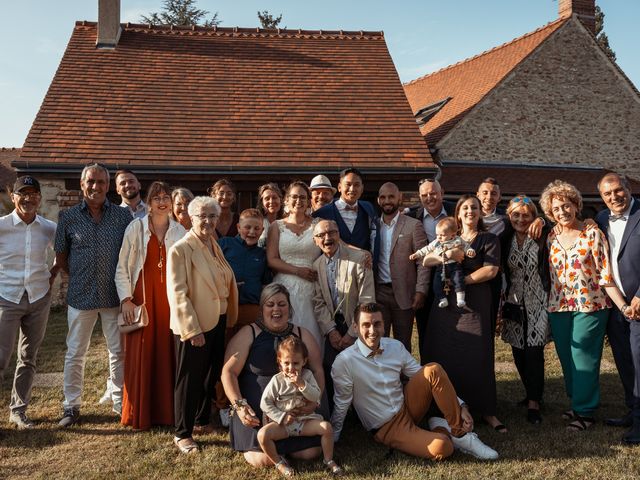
(407, 277)
(191, 289)
(355, 285)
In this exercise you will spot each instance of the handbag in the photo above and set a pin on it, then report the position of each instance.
(513, 312)
(141, 316)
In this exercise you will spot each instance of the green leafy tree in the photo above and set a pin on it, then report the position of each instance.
(601, 37)
(269, 21)
(183, 13)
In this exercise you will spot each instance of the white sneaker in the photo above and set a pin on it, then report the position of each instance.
(461, 304)
(438, 422)
(224, 417)
(444, 303)
(472, 445)
(106, 396)
(20, 420)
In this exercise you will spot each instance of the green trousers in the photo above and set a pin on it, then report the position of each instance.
(579, 338)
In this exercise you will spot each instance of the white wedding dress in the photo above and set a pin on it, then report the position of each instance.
(301, 251)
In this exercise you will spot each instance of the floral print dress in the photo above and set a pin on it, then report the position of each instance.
(579, 273)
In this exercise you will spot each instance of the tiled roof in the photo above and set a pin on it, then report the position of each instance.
(467, 82)
(227, 98)
(7, 172)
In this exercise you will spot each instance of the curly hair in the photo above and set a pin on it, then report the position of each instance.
(561, 190)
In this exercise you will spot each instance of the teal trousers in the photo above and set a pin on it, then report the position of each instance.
(579, 338)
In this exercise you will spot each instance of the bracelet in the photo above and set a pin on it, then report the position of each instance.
(238, 404)
(624, 308)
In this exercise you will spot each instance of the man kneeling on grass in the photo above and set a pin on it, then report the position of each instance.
(368, 373)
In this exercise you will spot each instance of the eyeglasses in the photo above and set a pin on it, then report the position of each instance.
(202, 217)
(522, 199)
(162, 199)
(27, 195)
(328, 233)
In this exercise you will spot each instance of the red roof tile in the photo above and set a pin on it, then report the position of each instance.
(467, 82)
(227, 98)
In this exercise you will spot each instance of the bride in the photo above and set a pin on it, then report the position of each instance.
(291, 252)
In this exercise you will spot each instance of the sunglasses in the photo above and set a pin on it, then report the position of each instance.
(522, 199)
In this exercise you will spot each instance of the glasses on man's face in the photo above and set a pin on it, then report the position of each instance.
(522, 199)
(328, 233)
(203, 217)
(28, 195)
(161, 199)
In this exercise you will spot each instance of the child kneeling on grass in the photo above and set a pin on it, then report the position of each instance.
(288, 390)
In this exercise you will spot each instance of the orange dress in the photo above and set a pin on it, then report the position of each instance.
(149, 363)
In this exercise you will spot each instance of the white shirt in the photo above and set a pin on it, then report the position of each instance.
(23, 257)
(348, 216)
(372, 384)
(429, 223)
(386, 236)
(616, 232)
(138, 212)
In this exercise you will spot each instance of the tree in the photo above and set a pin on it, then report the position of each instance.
(267, 20)
(601, 37)
(183, 13)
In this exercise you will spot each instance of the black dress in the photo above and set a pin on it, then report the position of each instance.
(461, 339)
(260, 366)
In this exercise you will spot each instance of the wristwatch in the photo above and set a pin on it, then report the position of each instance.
(624, 309)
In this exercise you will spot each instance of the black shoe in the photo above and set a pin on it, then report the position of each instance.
(626, 421)
(533, 416)
(632, 437)
(70, 417)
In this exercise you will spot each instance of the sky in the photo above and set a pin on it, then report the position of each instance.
(422, 35)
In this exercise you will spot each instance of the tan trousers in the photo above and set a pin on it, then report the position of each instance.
(402, 433)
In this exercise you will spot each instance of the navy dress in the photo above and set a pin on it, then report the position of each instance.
(260, 366)
(461, 339)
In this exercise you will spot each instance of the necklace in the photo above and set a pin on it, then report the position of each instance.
(160, 251)
(281, 334)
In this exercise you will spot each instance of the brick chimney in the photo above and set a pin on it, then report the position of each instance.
(585, 10)
(108, 23)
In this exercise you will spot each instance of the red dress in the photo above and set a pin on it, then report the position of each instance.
(149, 363)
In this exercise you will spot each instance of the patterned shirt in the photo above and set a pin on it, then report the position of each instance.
(579, 273)
(92, 252)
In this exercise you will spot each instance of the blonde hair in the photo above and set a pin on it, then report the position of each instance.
(448, 223)
(561, 190)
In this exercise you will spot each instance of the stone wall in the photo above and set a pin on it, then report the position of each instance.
(563, 105)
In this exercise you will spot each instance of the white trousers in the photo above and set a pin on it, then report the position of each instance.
(81, 323)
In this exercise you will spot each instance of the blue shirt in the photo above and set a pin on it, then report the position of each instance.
(92, 252)
(249, 265)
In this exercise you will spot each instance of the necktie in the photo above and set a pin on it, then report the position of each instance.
(379, 351)
(613, 218)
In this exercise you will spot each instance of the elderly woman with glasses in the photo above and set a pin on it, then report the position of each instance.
(204, 301)
(582, 288)
(525, 325)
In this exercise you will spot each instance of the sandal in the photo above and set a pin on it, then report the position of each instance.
(185, 445)
(333, 467)
(580, 424)
(568, 415)
(284, 468)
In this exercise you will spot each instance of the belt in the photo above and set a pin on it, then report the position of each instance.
(384, 284)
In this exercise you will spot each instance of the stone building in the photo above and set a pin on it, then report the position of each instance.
(551, 98)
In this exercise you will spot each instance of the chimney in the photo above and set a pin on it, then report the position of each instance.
(584, 10)
(108, 23)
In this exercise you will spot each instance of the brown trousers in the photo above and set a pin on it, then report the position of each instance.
(431, 383)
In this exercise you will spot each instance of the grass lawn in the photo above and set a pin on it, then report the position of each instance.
(100, 448)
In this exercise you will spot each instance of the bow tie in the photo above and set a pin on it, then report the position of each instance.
(379, 351)
(613, 218)
(353, 208)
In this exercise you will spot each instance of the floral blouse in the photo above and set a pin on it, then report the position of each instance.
(579, 273)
